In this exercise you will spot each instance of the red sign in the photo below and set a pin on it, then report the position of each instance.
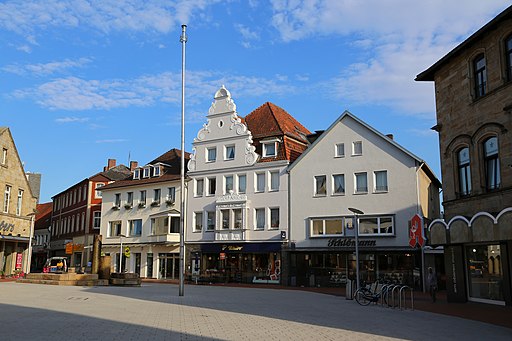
(222, 255)
(19, 260)
(416, 237)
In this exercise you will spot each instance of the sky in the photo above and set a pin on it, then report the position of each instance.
(84, 81)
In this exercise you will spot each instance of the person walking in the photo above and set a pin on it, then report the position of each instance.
(432, 283)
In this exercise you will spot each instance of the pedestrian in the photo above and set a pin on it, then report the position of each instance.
(432, 283)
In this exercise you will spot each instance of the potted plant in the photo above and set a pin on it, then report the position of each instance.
(128, 206)
(142, 204)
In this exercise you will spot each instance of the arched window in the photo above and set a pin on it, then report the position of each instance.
(463, 164)
(508, 56)
(480, 75)
(492, 163)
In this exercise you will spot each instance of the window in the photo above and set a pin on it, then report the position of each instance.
(117, 199)
(97, 220)
(230, 153)
(326, 227)
(198, 221)
(480, 75)
(212, 186)
(146, 172)
(260, 218)
(508, 57)
(211, 154)
(338, 182)
(4, 156)
(376, 226)
(85, 192)
(274, 181)
(136, 174)
(142, 198)
(159, 226)
(320, 188)
(224, 215)
(357, 148)
(157, 196)
(463, 165)
(175, 224)
(129, 198)
(83, 221)
(339, 150)
(114, 228)
(171, 194)
(97, 192)
(260, 182)
(20, 202)
(135, 227)
(199, 187)
(156, 171)
(361, 183)
(274, 218)
(228, 184)
(210, 222)
(237, 213)
(7, 198)
(79, 193)
(492, 163)
(269, 149)
(381, 181)
(242, 183)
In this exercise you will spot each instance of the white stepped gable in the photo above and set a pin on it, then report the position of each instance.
(223, 122)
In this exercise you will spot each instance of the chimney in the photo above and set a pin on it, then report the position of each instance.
(111, 163)
(390, 136)
(133, 165)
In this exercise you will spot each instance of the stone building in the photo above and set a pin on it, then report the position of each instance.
(17, 209)
(473, 87)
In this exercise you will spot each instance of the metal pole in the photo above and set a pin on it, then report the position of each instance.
(29, 256)
(356, 223)
(183, 40)
(120, 253)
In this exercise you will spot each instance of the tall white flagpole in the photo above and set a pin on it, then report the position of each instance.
(183, 40)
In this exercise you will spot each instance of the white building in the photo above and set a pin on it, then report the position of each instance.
(238, 192)
(352, 165)
(142, 213)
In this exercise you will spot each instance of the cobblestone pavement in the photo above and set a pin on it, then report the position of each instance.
(156, 312)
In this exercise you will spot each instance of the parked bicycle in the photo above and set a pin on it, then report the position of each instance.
(365, 295)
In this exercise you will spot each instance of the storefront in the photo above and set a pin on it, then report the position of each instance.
(255, 263)
(13, 254)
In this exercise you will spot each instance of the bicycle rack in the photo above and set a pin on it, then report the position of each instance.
(384, 293)
(404, 291)
(396, 287)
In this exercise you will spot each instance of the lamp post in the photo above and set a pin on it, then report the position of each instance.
(183, 41)
(356, 228)
(31, 235)
(121, 252)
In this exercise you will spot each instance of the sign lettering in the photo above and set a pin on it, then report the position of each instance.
(6, 227)
(346, 242)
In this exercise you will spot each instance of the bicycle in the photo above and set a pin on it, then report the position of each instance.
(364, 296)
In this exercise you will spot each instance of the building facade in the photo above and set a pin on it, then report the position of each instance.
(76, 216)
(237, 213)
(352, 165)
(473, 86)
(140, 220)
(41, 240)
(18, 207)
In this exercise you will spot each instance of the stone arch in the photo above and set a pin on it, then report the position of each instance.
(459, 230)
(437, 232)
(504, 224)
(483, 227)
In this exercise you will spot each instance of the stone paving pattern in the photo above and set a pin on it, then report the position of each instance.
(156, 312)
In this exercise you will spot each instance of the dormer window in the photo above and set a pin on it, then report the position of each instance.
(156, 171)
(146, 172)
(269, 148)
(136, 174)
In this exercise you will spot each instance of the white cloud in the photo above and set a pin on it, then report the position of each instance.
(46, 68)
(24, 48)
(72, 119)
(402, 38)
(72, 93)
(30, 17)
(247, 34)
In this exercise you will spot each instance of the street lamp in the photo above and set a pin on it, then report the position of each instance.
(356, 228)
(31, 235)
(121, 252)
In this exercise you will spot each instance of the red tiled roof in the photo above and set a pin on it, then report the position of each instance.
(43, 215)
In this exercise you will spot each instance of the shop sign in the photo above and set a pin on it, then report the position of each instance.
(78, 247)
(416, 237)
(222, 256)
(6, 227)
(232, 198)
(232, 247)
(19, 260)
(69, 248)
(349, 242)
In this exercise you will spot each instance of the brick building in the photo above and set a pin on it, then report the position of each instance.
(473, 86)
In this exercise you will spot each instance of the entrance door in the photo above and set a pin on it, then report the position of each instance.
(485, 274)
(168, 266)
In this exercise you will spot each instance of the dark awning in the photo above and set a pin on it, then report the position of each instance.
(242, 248)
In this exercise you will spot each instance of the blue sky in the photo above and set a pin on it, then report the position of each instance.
(83, 81)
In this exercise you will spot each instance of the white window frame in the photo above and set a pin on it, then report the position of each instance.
(20, 202)
(4, 156)
(257, 189)
(355, 146)
(271, 174)
(376, 189)
(117, 199)
(156, 170)
(315, 184)
(209, 180)
(337, 148)
(270, 227)
(96, 220)
(143, 196)
(226, 190)
(356, 191)
(131, 225)
(239, 189)
(157, 196)
(7, 198)
(260, 209)
(226, 152)
(171, 193)
(146, 172)
(198, 218)
(129, 198)
(265, 150)
(110, 226)
(196, 192)
(136, 174)
(208, 159)
(97, 193)
(378, 233)
(334, 184)
(324, 228)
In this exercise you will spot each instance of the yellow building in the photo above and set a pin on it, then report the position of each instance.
(17, 209)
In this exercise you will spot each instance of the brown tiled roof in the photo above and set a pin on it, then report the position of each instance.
(171, 171)
(269, 121)
(43, 215)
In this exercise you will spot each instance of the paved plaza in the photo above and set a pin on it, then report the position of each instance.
(156, 312)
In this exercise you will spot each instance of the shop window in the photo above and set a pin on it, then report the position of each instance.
(491, 163)
(480, 75)
(464, 171)
(485, 272)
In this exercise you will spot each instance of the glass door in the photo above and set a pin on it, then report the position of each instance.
(485, 275)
